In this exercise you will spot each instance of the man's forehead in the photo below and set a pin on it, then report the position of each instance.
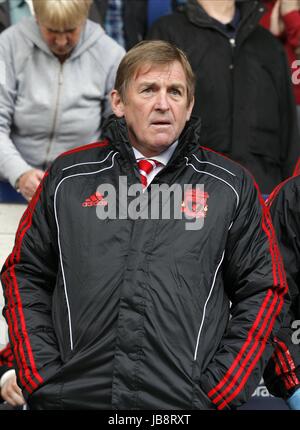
(172, 70)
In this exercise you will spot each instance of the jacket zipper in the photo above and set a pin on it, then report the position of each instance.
(58, 93)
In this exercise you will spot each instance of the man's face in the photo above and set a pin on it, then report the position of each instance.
(155, 107)
(61, 43)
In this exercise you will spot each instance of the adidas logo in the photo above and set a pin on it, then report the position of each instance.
(94, 200)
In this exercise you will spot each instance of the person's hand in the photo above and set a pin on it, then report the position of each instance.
(11, 392)
(29, 181)
(287, 6)
(276, 23)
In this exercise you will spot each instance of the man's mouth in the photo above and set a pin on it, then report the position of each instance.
(160, 123)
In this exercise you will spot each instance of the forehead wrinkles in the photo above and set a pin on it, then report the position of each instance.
(172, 71)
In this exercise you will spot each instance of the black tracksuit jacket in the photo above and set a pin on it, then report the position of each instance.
(282, 375)
(243, 90)
(135, 313)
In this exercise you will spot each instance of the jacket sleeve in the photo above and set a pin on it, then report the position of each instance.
(12, 165)
(28, 278)
(256, 287)
(6, 359)
(282, 375)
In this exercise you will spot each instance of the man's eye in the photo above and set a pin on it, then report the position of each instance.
(175, 92)
(147, 90)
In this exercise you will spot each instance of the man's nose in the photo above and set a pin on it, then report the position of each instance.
(162, 102)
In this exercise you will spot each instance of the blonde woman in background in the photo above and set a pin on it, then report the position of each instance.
(54, 92)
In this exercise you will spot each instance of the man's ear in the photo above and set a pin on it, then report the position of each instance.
(116, 103)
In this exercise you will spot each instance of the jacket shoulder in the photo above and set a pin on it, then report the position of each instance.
(288, 190)
(267, 44)
(10, 33)
(106, 51)
(224, 163)
(10, 38)
(226, 170)
(80, 155)
(292, 185)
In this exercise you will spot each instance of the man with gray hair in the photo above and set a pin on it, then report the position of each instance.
(134, 311)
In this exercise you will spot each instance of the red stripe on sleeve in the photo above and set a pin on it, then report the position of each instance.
(243, 349)
(17, 325)
(6, 356)
(277, 267)
(289, 362)
(280, 367)
(16, 339)
(261, 350)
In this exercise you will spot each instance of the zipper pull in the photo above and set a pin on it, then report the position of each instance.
(232, 42)
(60, 79)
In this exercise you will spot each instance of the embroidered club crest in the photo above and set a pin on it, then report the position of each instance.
(195, 203)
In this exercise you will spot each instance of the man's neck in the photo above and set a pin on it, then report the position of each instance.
(221, 10)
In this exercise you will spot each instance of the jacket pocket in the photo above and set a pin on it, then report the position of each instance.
(201, 401)
(46, 397)
(61, 322)
(189, 279)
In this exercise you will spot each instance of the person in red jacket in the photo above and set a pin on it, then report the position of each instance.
(282, 18)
